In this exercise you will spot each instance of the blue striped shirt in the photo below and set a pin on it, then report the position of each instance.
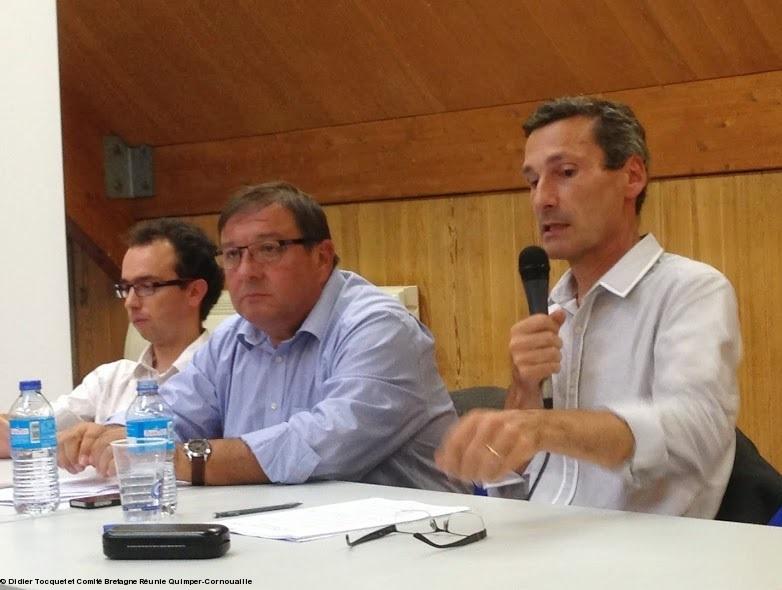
(354, 395)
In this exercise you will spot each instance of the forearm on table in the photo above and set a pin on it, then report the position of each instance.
(230, 463)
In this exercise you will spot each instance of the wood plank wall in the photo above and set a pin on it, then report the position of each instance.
(99, 319)
(705, 127)
(461, 252)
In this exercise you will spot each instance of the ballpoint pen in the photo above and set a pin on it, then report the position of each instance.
(243, 511)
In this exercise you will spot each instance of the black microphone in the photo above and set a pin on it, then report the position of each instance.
(534, 271)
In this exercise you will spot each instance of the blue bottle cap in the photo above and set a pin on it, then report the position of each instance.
(33, 385)
(146, 385)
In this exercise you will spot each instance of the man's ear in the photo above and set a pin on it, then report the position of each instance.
(196, 291)
(637, 177)
(326, 253)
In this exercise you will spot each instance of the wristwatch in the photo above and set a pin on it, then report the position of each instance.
(198, 451)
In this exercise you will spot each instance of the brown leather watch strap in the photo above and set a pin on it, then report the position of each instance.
(198, 470)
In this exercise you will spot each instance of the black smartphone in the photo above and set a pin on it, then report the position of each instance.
(100, 501)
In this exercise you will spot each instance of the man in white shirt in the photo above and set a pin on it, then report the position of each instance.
(170, 282)
(642, 346)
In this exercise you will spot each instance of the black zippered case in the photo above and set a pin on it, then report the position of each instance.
(165, 541)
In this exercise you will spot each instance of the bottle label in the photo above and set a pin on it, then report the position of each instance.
(33, 433)
(151, 428)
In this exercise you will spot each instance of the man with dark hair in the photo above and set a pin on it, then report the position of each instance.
(194, 254)
(320, 376)
(642, 346)
(170, 282)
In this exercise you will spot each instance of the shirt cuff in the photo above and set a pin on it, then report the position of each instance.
(650, 454)
(510, 479)
(515, 491)
(118, 418)
(66, 418)
(282, 454)
(516, 485)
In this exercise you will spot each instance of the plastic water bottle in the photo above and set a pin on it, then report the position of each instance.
(34, 451)
(150, 416)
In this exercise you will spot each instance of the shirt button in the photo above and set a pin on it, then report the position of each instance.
(274, 406)
(278, 359)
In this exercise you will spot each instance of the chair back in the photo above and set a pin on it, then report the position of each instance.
(484, 396)
(754, 492)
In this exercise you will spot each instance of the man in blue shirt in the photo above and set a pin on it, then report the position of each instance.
(321, 376)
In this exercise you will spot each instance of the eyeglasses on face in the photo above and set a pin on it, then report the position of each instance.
(462, 528)
(261, 251)
(145, 288)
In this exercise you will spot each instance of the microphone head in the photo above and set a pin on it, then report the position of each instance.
(533, 264)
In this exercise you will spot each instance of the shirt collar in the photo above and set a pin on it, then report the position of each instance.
(316, 322)
(620, 278)
(184, 357)
(147, 359)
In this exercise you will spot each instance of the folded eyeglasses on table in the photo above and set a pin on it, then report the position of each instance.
(463, 528)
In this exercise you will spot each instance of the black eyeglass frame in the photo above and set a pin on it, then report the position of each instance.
(281, 245)
(436, 528)
(120, 288)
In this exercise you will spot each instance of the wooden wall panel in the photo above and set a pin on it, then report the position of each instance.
(462, 253)
(99, 318)
(441, 245)
(705, 127)
(94, 221)
(95, 228)
(735, 224)
(240, 68)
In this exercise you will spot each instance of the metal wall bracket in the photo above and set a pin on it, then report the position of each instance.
(128, 170)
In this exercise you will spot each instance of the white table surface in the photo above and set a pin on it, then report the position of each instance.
(528, 546)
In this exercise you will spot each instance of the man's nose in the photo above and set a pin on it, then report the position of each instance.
(132, 301)
(544, 195)
(248, 266)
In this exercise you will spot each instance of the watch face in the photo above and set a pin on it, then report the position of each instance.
(198, 447)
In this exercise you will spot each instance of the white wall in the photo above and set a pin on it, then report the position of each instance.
(35, 339)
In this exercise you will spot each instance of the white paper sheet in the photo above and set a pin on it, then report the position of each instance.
(86, 483)
(306, 524)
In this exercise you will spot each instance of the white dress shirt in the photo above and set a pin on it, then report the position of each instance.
(657, 342)
(110, 388)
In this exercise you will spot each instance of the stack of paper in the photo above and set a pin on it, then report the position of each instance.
(306, 524)
(86, 483)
